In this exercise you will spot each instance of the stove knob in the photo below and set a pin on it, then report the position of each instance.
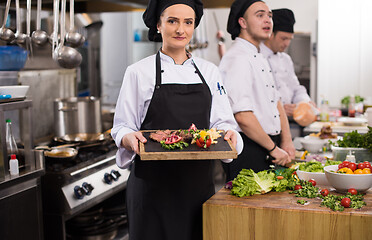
(79, 192)
(115, 174)
(108, 178)
(88, 188)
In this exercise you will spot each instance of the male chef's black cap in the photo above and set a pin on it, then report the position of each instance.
(237, 10)
(155, 7)
(283, 20)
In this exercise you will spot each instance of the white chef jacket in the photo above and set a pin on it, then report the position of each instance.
(285, 78)
(250, 84)
(138, 87)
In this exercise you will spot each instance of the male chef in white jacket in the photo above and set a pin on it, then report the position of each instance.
(252, 93)
(281, 64)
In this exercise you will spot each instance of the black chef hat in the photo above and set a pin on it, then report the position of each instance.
(237, 10)
(156, 7)
(283, 20)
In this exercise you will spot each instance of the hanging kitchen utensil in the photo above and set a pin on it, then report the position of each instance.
(221, 39)
(54, 35)
(67, 57)
(5, 33)
(20, 37)
(28, 28)
(73, 39)
(39, 37)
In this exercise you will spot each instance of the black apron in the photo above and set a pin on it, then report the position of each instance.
(253, 156)
(164, 198)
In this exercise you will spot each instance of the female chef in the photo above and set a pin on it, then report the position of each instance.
(169, 90)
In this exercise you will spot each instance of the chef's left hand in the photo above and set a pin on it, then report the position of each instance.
(289, 148)
(232, 136)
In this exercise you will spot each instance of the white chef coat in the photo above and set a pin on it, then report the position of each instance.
(250, 84)
(285, 78)
(138, 87)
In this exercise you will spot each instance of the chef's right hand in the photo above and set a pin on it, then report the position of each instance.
(130, 141)
(280, 156)
(289, 108)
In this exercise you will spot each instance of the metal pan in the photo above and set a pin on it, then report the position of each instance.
(84, 138)
(61, 154)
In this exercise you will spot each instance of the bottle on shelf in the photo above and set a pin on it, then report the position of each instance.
(11, 144)
(351, 109)
(13, 165)
(324, 111)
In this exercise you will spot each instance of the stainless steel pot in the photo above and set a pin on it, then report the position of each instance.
(76, 115)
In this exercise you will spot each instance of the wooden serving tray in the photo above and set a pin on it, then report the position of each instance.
(154, 151)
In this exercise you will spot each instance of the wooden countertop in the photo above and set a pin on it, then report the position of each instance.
(278, 216)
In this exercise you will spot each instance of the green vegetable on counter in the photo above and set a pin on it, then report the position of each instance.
(334, 201)
(315, 166)
(355, 140)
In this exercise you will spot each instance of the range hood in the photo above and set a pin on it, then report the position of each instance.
(96, 6)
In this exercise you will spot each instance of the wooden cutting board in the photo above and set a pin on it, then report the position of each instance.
(278, 216)
(154, 151)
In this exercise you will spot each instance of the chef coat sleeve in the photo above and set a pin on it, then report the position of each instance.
(238, 79)
(221, 114)
(299, 91)
(127, 115)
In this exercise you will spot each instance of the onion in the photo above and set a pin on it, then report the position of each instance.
(228, 185)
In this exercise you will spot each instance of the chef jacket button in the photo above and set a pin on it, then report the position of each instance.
(276, 131)
(162, 71)
(272, 100)
(267, 85)
(270, 71)
(254, 55)
(274, 116)
(263, 70)
(157, 87)
(272, 86)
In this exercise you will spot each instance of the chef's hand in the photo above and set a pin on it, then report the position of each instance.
(232, 136)
(289, 108)
(280, 156)
(130, 141)
(289, 148)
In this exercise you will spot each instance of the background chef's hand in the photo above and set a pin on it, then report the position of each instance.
(289, 108)
(130, 141)
(232, 136)
(289, 148)
(281, 156)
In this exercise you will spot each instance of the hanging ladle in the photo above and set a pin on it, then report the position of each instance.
(67, 57)
(5, 33)
(73, 39)
(39, 37)
(20, 37)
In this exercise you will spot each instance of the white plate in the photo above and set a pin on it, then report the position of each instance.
(347, 121)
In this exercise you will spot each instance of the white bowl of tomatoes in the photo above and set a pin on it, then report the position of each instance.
(342, 181)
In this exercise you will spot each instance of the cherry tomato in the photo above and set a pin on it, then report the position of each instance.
(298, 187)
(346, 163)
(366, 171)
(352, 166)
(200, 142)
(345, 202)
(313, 182)
(353, 191)
(341, 165)
(208, 141)
(324, 192)
(361, 166)
(367, 164)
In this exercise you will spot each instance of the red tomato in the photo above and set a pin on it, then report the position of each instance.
(324, 192)
(341, 165)
(345, 202)
(367, 164)
(208, 141)
(346, 163)
(298, 187)
(353, 191)
(312, 181)
(200, 142)
(352, 166)
(361, 166)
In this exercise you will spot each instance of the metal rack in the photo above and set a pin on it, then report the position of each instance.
(25, 108)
